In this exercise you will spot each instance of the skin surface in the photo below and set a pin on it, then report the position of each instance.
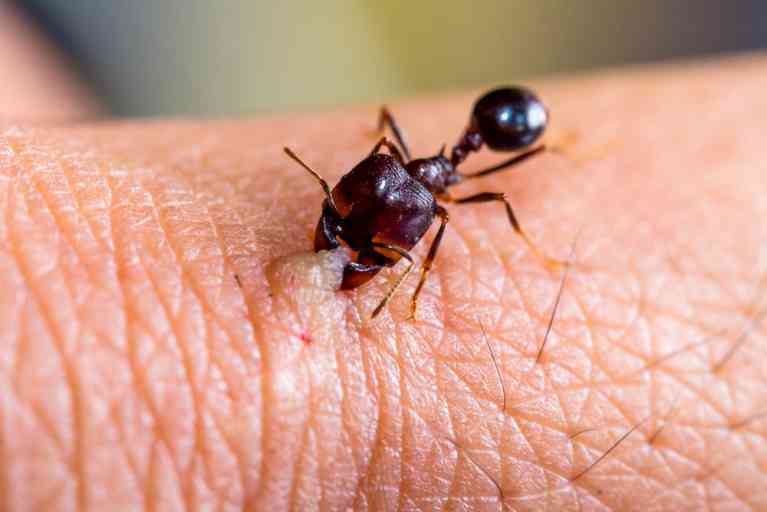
(168, 341)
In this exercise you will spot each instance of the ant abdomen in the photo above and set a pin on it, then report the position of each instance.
(504, 119)
(509, 118)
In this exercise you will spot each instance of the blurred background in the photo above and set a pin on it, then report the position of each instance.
(243, 57)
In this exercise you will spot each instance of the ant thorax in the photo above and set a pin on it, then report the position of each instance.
(435, 173)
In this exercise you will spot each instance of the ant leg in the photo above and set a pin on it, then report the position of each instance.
(486, 197)
(386, 119)
(429, 259)
(508, 163)
(402, 252)
(393, 149)
(356, 274)
(322, 182)
(328, 228)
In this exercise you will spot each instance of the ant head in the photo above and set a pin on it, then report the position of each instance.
(509, 118)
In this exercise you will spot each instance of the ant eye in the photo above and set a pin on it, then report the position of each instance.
(509, 118)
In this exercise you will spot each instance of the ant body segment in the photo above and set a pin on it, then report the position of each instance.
(387, 202)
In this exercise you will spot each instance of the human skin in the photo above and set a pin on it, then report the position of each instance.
(168, 339)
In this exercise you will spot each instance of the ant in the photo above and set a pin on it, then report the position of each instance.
(387, 202)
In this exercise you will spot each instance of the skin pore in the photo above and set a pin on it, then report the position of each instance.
(168, 340)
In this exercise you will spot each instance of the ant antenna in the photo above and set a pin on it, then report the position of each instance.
(322, 182)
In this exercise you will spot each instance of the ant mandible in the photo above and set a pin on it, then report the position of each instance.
(386, 203)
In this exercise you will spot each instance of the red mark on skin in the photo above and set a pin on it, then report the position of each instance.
(306, 338)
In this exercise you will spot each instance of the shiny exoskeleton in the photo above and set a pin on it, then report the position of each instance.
(387, 202)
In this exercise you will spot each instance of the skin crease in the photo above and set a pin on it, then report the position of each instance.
(138, 373)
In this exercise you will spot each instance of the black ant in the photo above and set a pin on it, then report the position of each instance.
(386, 203)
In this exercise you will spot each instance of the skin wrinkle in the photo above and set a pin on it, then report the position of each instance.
(641, 308)
(371, 375)
(229, 388)
(78, 414)
(739, 342)
(696, 391)
(181, 347)
(83, 205)
(443, 363)
(5, 495)
(138, 373)
(560, 399)
(79, 255)
(389, 406)
(126, 330)
(295, 483)
(548, 330)
(251, 315)
(132, 463)
(10, 362)
(404, 410)
(345, 421)
(60, 339)
(311, 432)
(48, 207)
(225, 271)
(451, 427)
(18, 356)
(202, 447)
(47, 189)
(347, 412)
(519, 416)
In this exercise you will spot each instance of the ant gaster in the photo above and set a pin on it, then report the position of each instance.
(387, 202)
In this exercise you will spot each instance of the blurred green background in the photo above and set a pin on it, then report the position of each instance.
(229, 57)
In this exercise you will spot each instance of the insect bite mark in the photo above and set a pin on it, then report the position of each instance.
(306, 272)
(304, 293)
